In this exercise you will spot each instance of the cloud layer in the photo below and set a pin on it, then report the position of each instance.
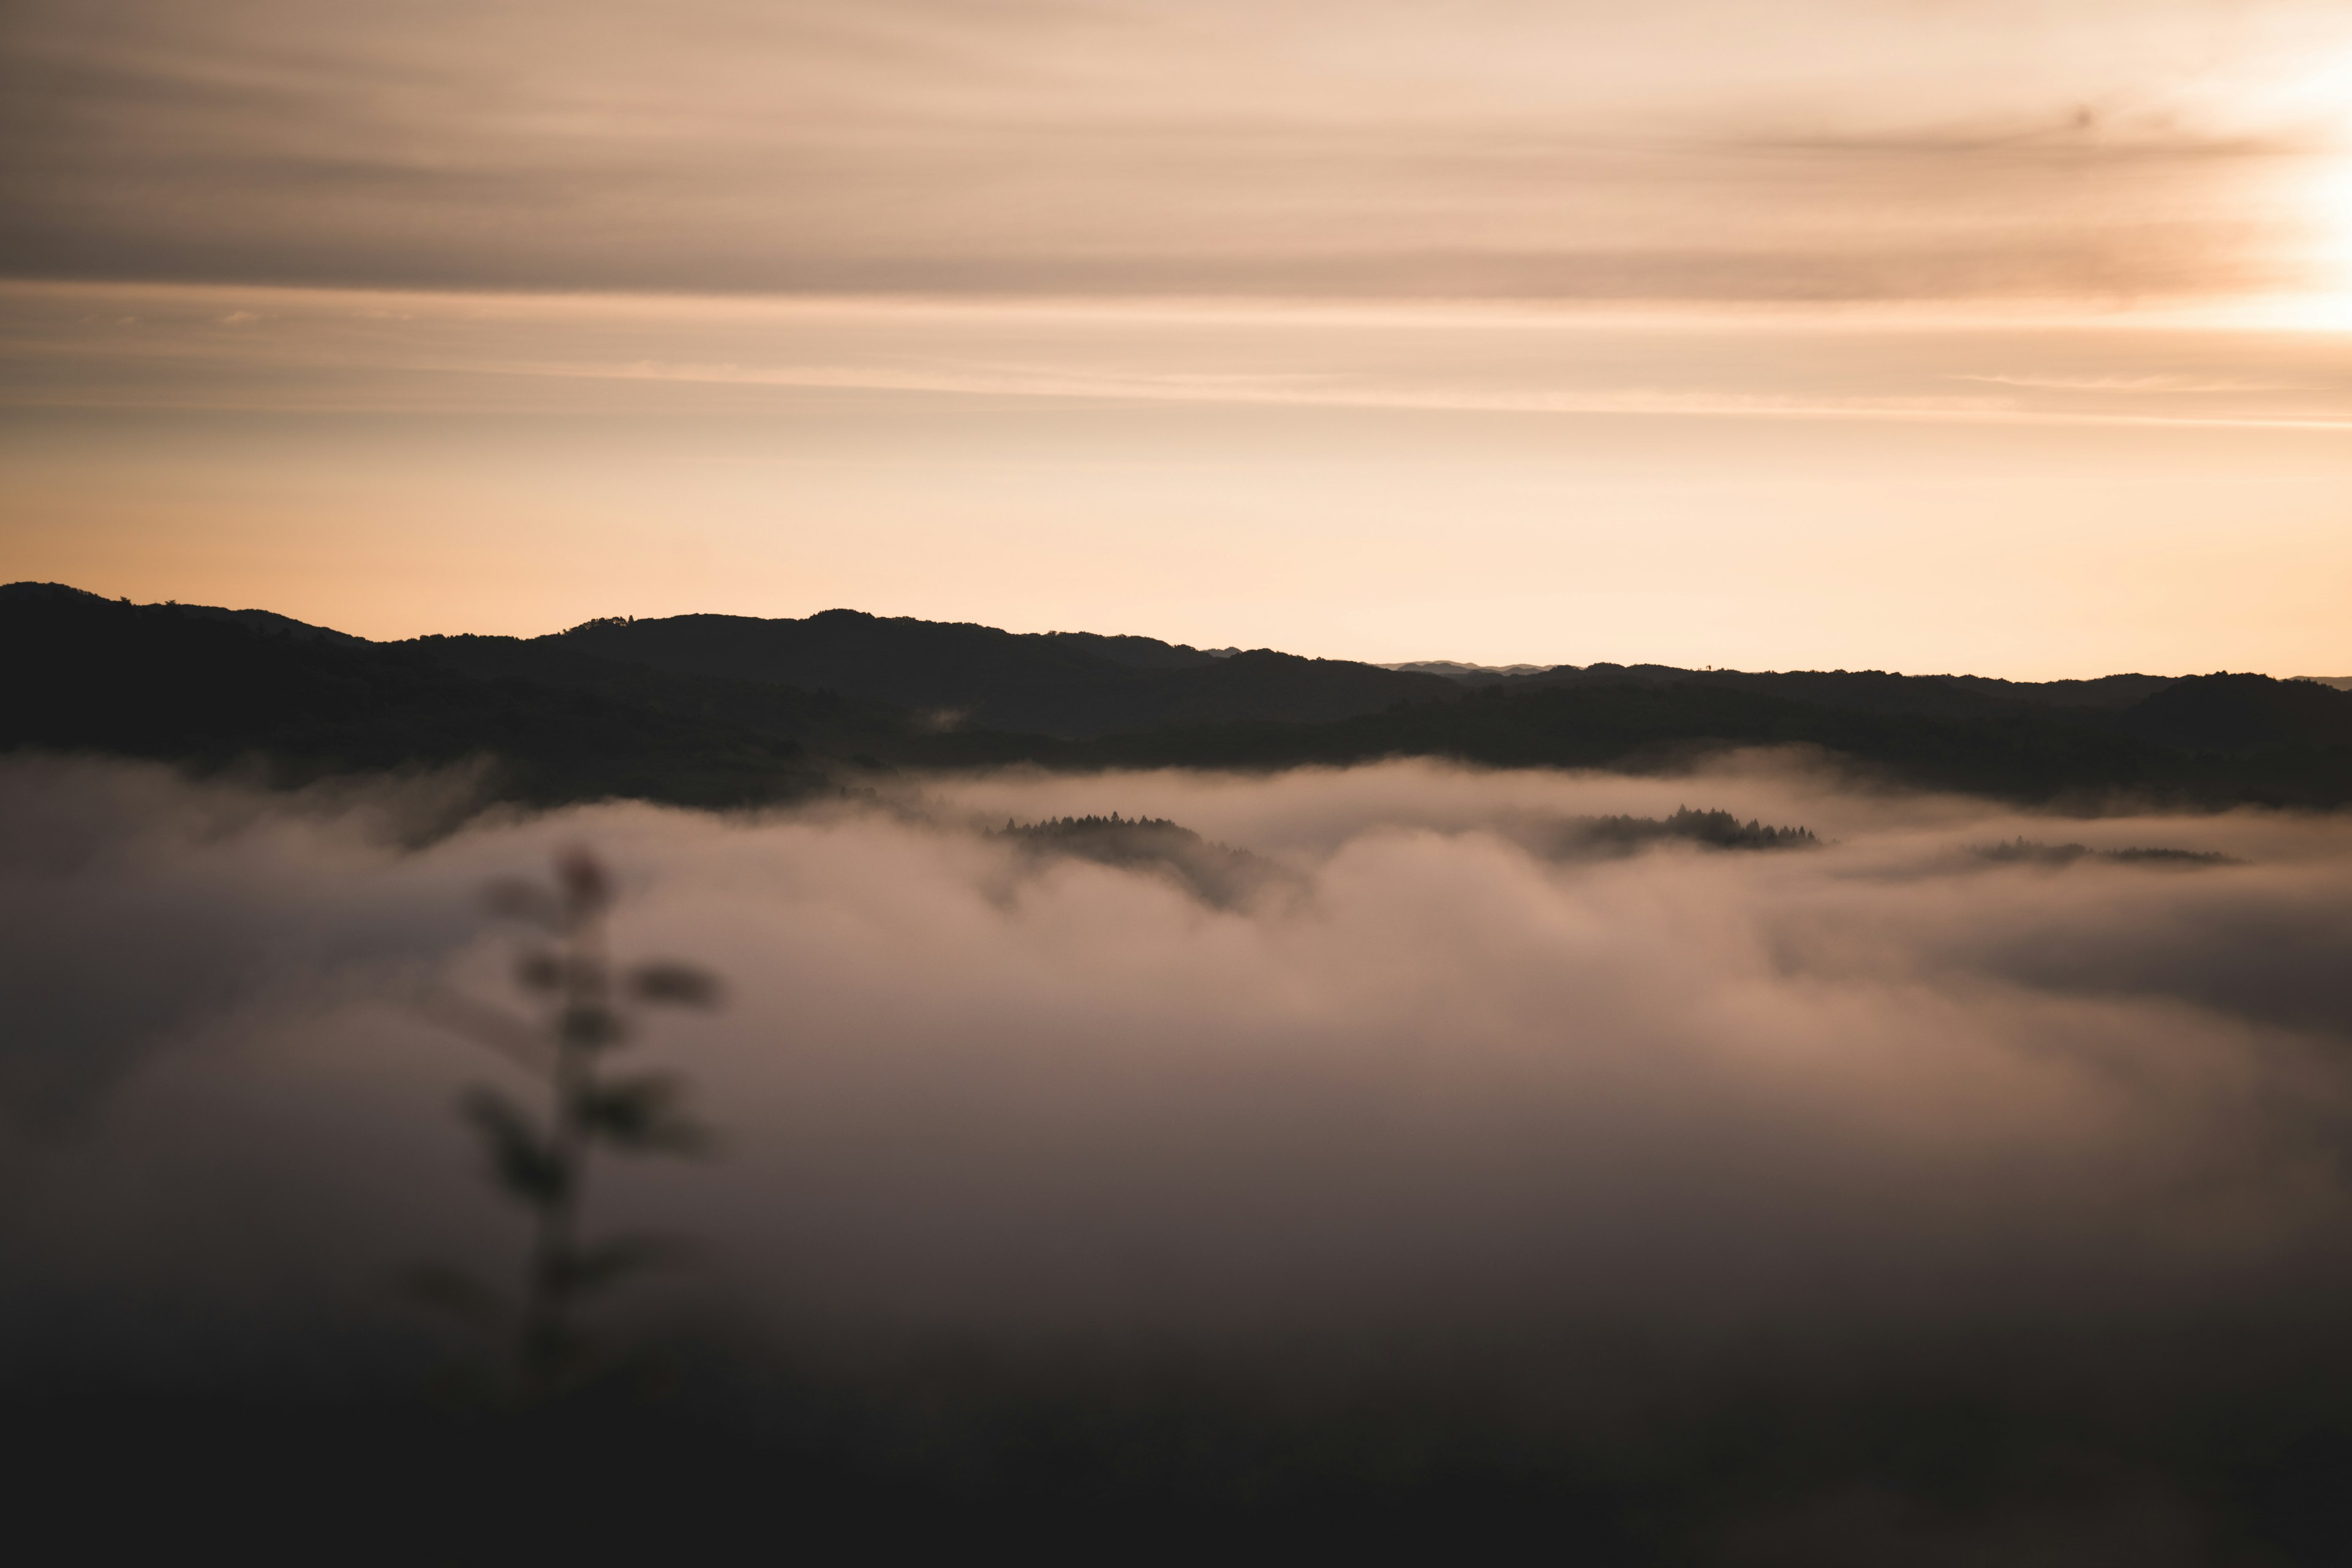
(1693, 150)
(1424, 1078)
(1654, 1153)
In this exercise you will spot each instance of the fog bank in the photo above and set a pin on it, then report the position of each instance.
(1846, 1108)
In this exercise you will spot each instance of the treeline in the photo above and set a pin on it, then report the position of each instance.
(1717, 830)
(1055, 828)
(1218, 874)
(2023, 851)
(690, 711)
(162, 682)
(2083, 758)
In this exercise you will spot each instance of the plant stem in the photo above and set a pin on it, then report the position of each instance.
(545, 1331)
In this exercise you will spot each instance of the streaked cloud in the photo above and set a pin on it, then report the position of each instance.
(202, 346)
(1830, 149)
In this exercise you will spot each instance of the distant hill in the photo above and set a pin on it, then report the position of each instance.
(2219, 739)
(2111, 692)
(257, 620)
(1872, 690)
(179, 684)
(2243, 714)
(710, 709)
(1475, 673)
(823, 721)
(1069, 684)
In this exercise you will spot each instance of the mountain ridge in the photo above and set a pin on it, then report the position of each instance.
(690, 710)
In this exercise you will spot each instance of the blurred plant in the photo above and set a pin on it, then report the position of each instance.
(586, 1011)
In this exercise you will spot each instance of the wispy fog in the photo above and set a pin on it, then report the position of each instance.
(1862, 1106)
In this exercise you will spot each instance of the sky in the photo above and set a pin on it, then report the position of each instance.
(1949, 334)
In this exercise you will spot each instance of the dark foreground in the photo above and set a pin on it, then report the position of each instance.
(1156, 1461)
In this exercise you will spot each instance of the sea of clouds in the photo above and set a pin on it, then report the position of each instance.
(1691, 1118)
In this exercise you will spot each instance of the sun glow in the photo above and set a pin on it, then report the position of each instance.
(2335, 204)
(2327, 205)
(2319, 209)
(2329, 305)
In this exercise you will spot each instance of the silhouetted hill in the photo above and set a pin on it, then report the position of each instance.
(255, 620)
(823, 721)
(1471, 674)
(2034, 754)
(2108, 692)
(268, 621)
(1602, 673)
(1056, 683)
(1872, 690)
(161, 681)
(696, 708)
(2243, 714)
(1135, 653)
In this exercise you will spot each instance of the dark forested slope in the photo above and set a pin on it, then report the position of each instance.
(1871, 690)
(698, 709)
(1055, 683)
(88, 674)
(2203, 740)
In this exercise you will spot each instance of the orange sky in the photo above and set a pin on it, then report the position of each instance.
(2006, 337)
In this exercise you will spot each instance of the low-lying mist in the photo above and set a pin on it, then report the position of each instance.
(1442, 1103)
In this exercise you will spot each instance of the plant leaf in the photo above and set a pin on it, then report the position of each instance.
(677, 985)
(592, 1026)
(538, 971)
(641, 1113)
(520, 1156)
